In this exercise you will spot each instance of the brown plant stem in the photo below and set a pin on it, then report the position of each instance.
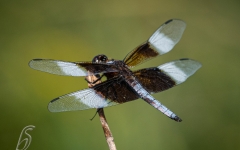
(103, 120)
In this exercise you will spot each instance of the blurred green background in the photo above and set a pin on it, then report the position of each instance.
(77, 30)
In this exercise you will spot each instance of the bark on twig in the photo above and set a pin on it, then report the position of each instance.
(103, 120)
(106, 130)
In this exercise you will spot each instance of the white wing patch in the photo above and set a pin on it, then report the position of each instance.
(92, 101)
(57, 67)
(167, 36)
(80, 100)
(181, 69)
(68, 68)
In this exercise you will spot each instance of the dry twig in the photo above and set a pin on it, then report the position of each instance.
(103, 120)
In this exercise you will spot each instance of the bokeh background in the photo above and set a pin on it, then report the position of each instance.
(77, 30)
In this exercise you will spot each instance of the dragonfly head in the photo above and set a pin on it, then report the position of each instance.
(100, 59)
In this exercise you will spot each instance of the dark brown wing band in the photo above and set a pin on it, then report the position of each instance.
(154, 80)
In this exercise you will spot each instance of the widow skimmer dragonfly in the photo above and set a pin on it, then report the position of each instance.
(123, 85)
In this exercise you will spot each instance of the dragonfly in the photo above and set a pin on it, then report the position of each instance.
(122, 84)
